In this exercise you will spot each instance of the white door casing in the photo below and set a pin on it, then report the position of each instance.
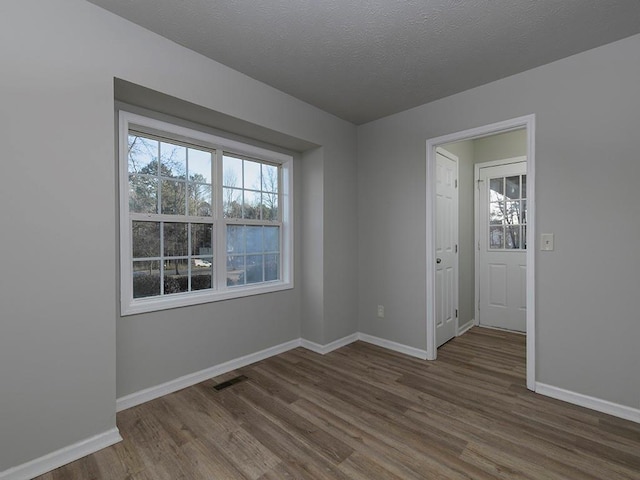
(528, 122)
(501, 241)
(446, 280)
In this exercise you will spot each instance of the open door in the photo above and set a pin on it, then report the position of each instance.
(446, 246)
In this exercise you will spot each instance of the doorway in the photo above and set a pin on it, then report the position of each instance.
(527, 126)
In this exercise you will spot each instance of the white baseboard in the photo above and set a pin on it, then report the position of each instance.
(604, 406)
(466, 327)
(330, 347)
(396, 347)
(91, 445)
(61, 457)
(185, 381)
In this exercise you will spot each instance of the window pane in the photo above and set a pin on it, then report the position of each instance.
(496, 213)
(513, 213)
(143, 194)
(270, 206)
(271, 267)
(251, 207)
(176, 279)
(231, 172)
(145, 239)
(513, 187)
(254, 268)
(252, 177)
(254, 242)
(201, 239)
(235, 239)
(232, 203)
(496, 189)
(524, 237)
(200, 200)
(270, 178)
(524, 186)
(271, 239)
(235, 270)
(201, 273)
(176, 239)
(524, 211)
(146, 279)
(143, 155)
(512, 240)
(199, 166)
(496, 237)
(173, 198)
(173, 160)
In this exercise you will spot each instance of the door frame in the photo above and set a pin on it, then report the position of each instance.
(528, 123)
(476, 223)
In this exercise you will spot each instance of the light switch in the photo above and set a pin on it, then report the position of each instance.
(546, 242)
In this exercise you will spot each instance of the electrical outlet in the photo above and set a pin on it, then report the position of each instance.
(380, 311)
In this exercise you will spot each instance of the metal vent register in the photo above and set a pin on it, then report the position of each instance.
(233, 381)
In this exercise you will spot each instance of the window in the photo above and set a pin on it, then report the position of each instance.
(508, 213)
(203, 218)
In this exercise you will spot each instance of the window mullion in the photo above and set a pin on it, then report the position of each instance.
(162, 260)
(220, 227)
(190, 255)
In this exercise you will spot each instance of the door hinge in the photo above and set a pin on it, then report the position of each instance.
(478, 245)
(479, 183)
(456, 313)
(456, 248)
(456, 183)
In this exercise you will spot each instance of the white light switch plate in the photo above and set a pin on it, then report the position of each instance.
(546, 242)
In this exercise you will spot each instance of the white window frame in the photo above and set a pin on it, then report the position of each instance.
(220, 291)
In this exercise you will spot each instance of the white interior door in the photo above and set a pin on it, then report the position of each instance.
(502, 231)
(446, 280)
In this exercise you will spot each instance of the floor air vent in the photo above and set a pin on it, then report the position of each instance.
(228, 383)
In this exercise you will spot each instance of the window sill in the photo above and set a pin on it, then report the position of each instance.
(145, 305)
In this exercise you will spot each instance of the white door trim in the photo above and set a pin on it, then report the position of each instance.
(476, 223)
(528, 122)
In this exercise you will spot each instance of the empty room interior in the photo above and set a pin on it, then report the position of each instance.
(323, 240)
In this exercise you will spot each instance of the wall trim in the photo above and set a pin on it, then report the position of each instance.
(151, 393)
(466, 327)
(185, 381)
(91, 445)
(593, 403)
(396, 347)
(529, 123)
(330, 347)
(61, 457)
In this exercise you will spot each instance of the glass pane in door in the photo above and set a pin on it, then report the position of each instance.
(507, 213)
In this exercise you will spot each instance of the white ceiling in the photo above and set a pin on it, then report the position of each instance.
(365, 59)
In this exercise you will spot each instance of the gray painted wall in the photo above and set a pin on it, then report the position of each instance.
(59, 329)
(500, 147)
(60, 332)
(587, 112)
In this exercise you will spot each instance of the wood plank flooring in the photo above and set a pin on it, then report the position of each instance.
(363, 412)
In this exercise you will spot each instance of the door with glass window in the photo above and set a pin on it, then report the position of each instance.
(502, 231)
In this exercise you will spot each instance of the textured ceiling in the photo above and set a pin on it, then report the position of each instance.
(365, 59)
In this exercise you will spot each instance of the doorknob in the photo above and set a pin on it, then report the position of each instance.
(438, 260)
